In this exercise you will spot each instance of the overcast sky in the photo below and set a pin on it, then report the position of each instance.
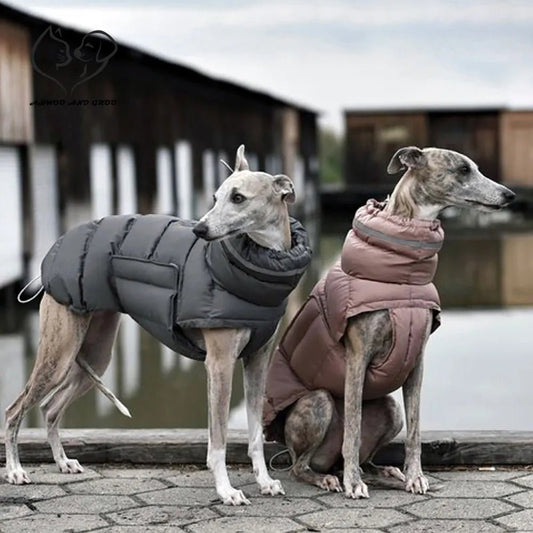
(336, 54)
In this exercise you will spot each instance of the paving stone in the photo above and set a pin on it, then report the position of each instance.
(78, 503)
(525, 499)
(117, 486)
(344, 530)
(51, 474)
(53, 523)
(343, 518)
(28, 492)
(292, 487)
(180, 496)
(13, 511)
(142, 529)
(458, 508)
(518, 520)
(138, 473)
(475, 489)
(477, 475)
(526, 481)
(204, 478)
(232, 524)
(440, 526)
(378, 498)
(271, 506)
(102, 499)
(161, 514)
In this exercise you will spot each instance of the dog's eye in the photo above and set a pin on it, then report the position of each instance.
(214, 199)
(237, 198)
(464, 169)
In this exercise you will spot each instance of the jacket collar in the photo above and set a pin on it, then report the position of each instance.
(258, 274)
(389, 248)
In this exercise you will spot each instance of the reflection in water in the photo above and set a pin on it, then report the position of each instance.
(477, 370)
(13, 375)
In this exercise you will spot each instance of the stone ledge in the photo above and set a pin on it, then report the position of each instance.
(189, 446)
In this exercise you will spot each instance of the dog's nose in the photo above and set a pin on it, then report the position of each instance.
(509, 196)
(201, 230)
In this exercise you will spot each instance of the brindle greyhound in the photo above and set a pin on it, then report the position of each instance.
(314, 432)
(248, 202)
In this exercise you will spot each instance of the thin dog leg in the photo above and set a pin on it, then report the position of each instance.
(307, 426)
(255, 374)
(53, 412)
(416, 483)
(96, 352)
(356, 363)
(62, 335)
(223, 348)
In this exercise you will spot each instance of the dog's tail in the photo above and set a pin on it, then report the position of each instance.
(100, 386)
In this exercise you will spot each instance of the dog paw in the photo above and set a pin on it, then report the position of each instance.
(272, 488)
(18, 476)
(330, 483)
(392, 471)
(417, 484)
(234, 497)
(356, 490)
(70, 466)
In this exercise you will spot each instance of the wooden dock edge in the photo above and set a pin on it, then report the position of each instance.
(189, 446)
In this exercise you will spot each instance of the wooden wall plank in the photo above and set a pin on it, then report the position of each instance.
(16, 117)
(517, 147)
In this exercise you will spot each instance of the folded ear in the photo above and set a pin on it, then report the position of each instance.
(284, 186)
(408, 157)
(240, 160)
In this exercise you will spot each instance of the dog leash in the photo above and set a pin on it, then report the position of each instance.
(274, 457)
(19, 295)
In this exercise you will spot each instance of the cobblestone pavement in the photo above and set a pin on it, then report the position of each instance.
(162, 499)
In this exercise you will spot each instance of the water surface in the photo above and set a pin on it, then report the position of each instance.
(478, 364)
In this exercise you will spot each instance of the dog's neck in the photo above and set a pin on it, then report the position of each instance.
(403, 201)
(276, 236)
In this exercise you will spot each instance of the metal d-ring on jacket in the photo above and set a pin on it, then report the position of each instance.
(155, 269)
(387, 262)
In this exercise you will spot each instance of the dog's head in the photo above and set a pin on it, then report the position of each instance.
(247, 201)
(96, 47)
(443, 178)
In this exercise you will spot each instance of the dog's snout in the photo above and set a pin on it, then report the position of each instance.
(509, 196)
(201, 230)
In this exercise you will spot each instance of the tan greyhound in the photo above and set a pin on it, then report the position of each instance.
(252, 203)
(324, 424)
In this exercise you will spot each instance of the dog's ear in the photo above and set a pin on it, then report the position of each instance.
(284, 186)
(408, 157)
(107, 46)
(241, 162)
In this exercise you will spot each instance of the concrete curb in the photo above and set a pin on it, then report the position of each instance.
(189, 446)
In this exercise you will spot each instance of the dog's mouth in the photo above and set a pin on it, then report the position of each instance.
(222, 237)
(491, 207)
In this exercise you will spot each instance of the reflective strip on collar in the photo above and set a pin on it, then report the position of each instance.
(412, 243)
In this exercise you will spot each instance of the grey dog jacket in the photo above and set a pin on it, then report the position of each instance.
(155, 269)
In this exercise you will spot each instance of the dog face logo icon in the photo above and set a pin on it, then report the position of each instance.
(67, 66)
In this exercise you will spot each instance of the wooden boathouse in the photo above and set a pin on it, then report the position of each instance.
(499, 140)
(86, 133)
